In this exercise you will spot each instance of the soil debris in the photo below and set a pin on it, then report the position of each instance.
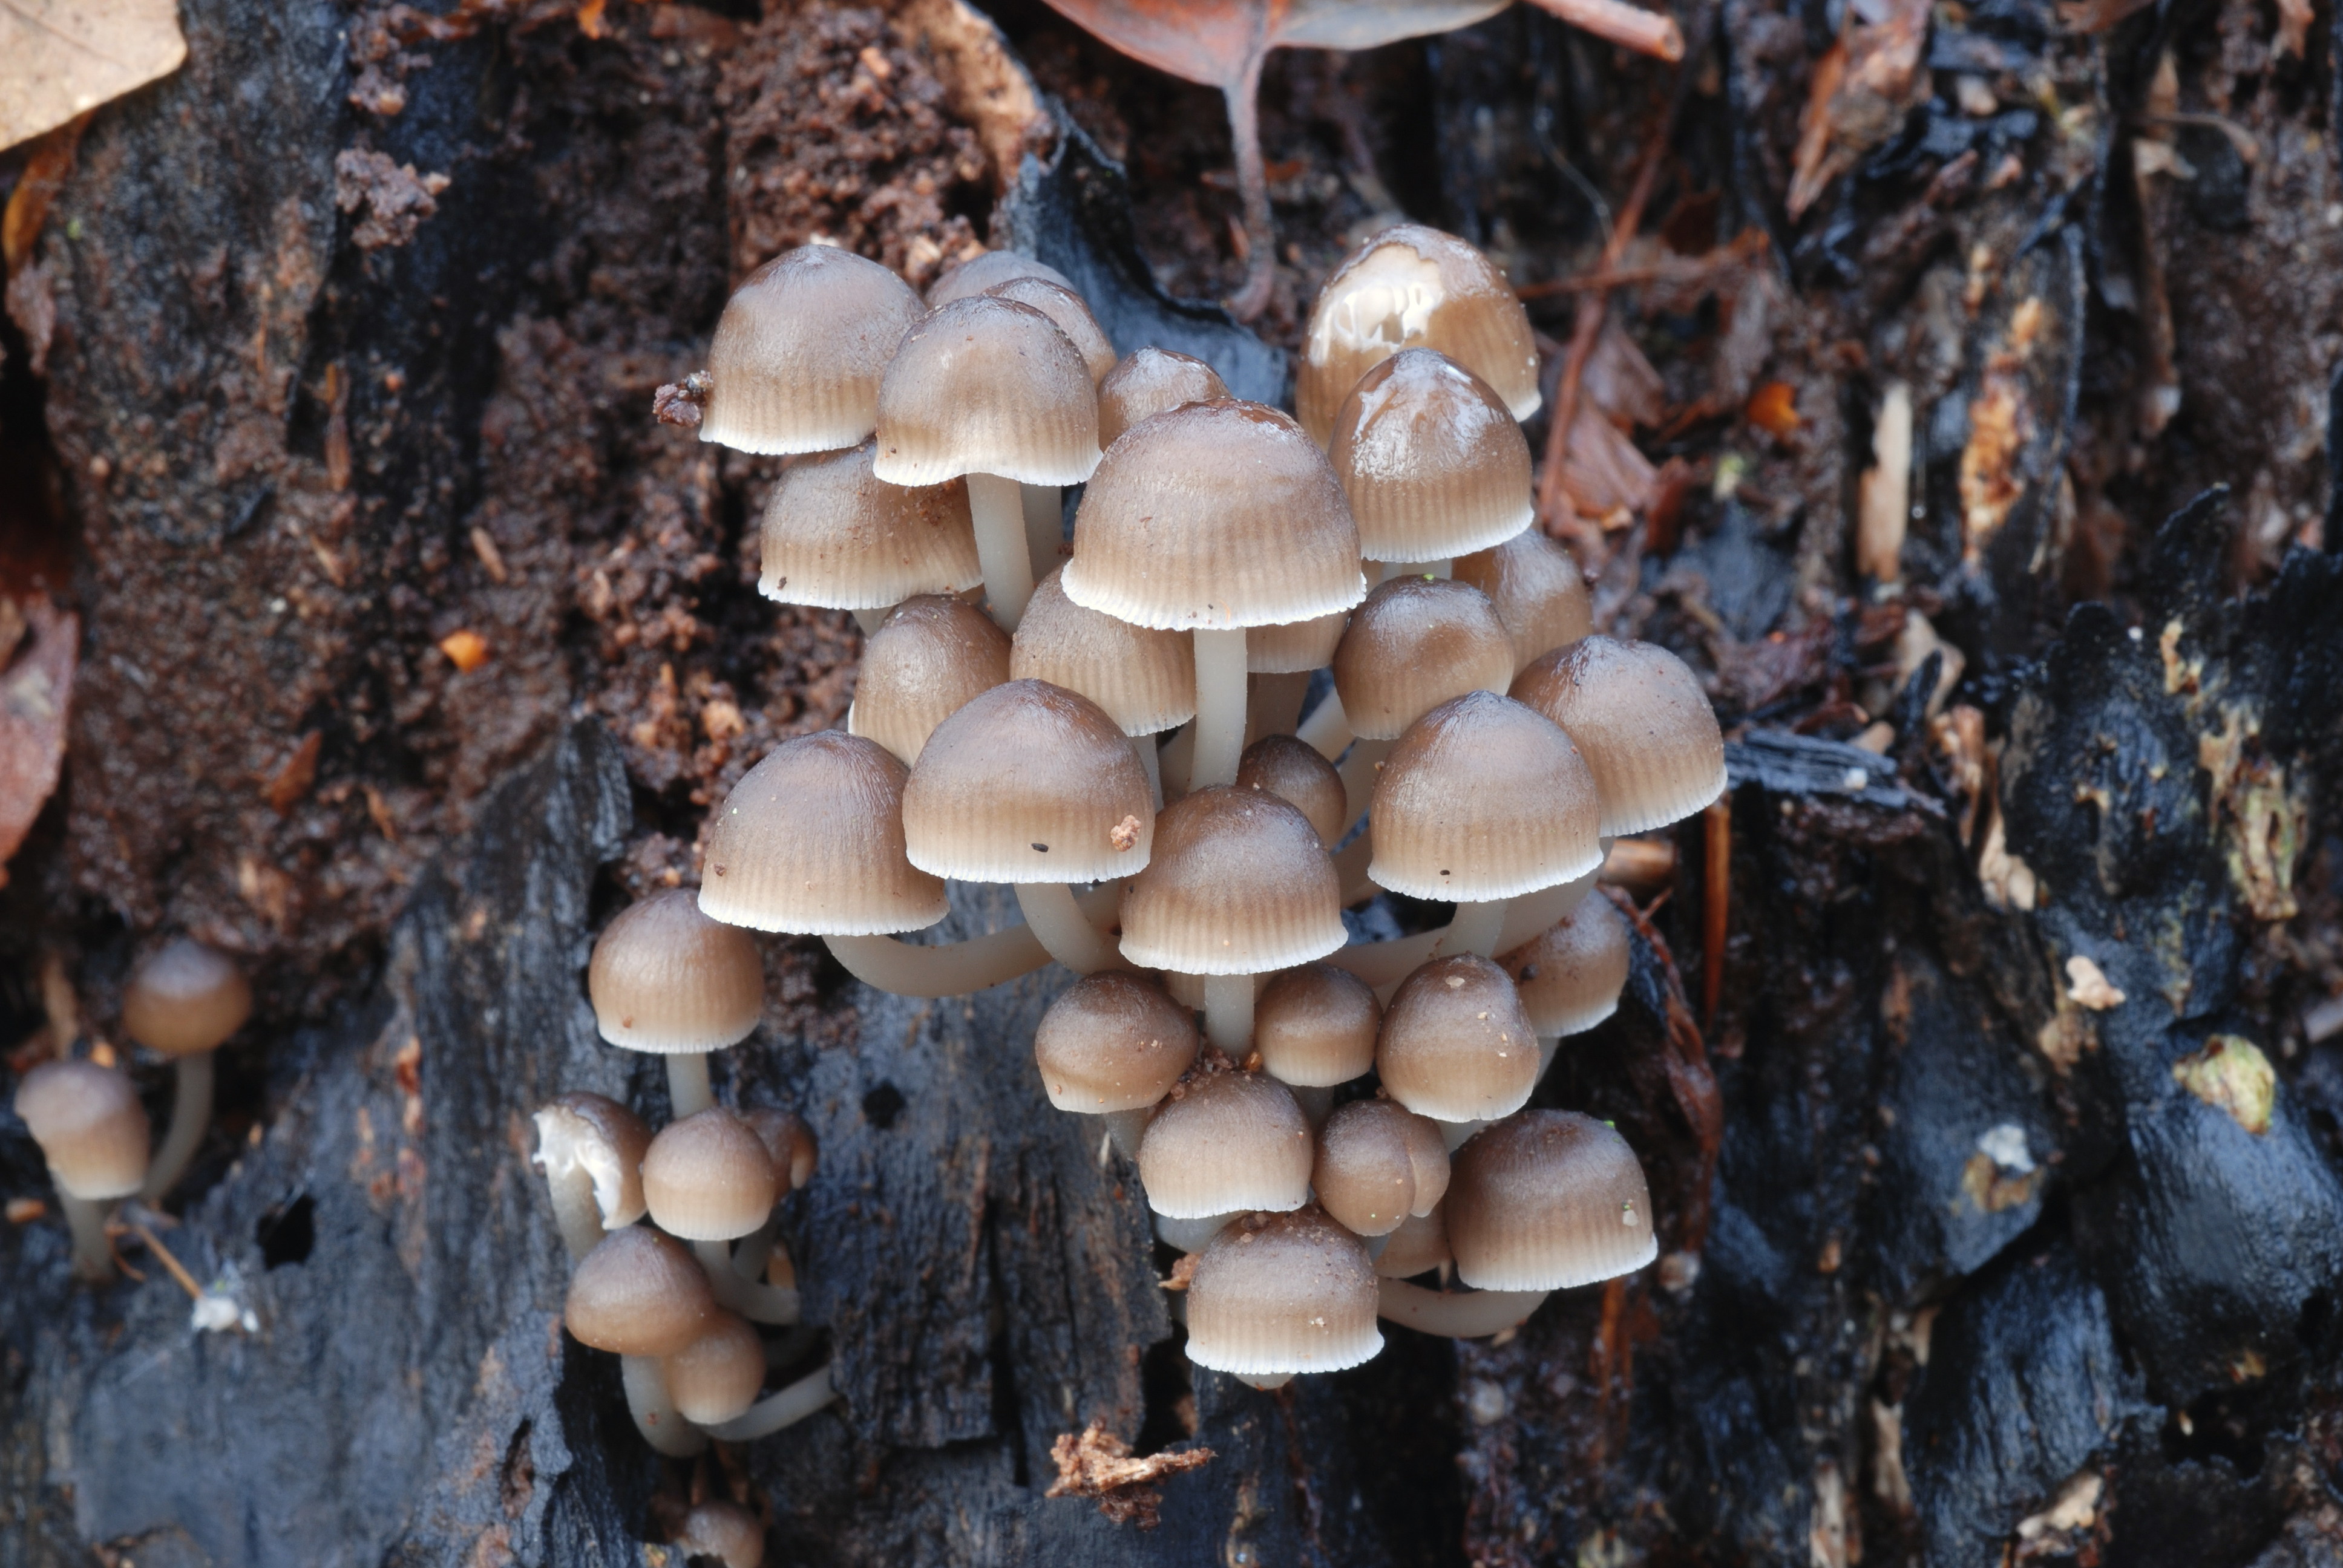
(1097, 1463)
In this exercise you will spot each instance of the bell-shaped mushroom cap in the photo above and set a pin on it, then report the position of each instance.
(1113, 1041)
(1315, 1026)
(638, 1293)
(1538, 591)
(1296, 647)
(1414, 288)
(1378, 1163)
(1641, 720)
(1570, 974)
(987, 386)
(1148, 381)
(1545, 1201)
(1455, 1044)
(994, 268)
(1414, 644)
(1418, 1246)
(718, 1374)
(795, 1151)
(1067, 311)
(837, 537)
(724, 1531)
(801, 349)
(1433, 461)
(1240, 885)
(184, 999)
(1282, 1293)
(1483, 798)
(1223, 1141)
(90, 1127)
(811, 841)
(709, 1178)
(1214, 515)
(1295, 773)
(666, 978)
(928, 660)
(1028, 783)
(596, 1134)
(1145, 680)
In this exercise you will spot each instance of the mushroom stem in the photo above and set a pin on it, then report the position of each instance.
(1385, 964)
(1001, 549)
(1189, 1235)
(776, 1411)
(92, 1254)
(191, 1115)
(1549, 1047)
(1358, 774)
(1327, 730)
(576, 1212)
(1351, 864)
(1220, 693)
(1150, 763)
(956, 968)
(1252, 185)
(688, 1093)
(755, 1250)
(1316, 1103)
(1124, 1129)
(1045, 525)
(1454, 1135)
(759, 1304)
(1228, 1013)
(870, 621)
(1455, 1315)
(1267, 1383)
(656, 1417)
(1275, 703)
(1475, 928)
(1058, 923)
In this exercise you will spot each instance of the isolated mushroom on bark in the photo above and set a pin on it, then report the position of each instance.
(666, 979)
(184, 1001)
(1111, 1046)
(641, 1297)
(1278, 1294)
(591, 1149)
(1643, 723)
(800, 350)
(93, 1133)
(929, 658)
(837, 537)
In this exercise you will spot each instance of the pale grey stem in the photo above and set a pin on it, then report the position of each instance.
(756, 1249)
(776, 1411)
(758, 1302)
(1124, 1129)
(191, 1117)
(92, 1254)
(1265, 1382)
(956, 968)
(1317, 1102)
(656, 1417)
(1179, 760)
(1045, 525)
(1189, 1235)
(1228, 1013)
(1327, 730)
(688, 1093)
(1152, 763)
(1455, 1134)
(1476, 927)
(1455, 1315)
(575, 1211)
(1358, 773)
(1000, 547)
(1054, 918)
(1220, 705)
(870, 621)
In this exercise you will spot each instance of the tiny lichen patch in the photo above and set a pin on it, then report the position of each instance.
(2231, 1074)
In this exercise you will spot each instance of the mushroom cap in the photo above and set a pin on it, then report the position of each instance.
(1414, 288)
(90, 1126)
(1455, 1044)
(1296, 647)
(928, 660)
(1113, 1041)
(185, 997)
(637, 1294)
(1547, 1200)
(801, 349)
(1538, 589)
(719, 1373)
(1148, 381)
(1483, 798)
(1419, 1245)
(993, 268)
(984, 386)
(837, 537)
(795, 1151)
(1433, 461)
(1144, 678)
(812, 840)
(1282, 1293)
(1641, 720)
(1295, 773)
(1570, 975)
(1239, 885)
(709, 1177)
(1223, 1141)
(1028, 783)
(1378, 1163)
(1066, 311)
(594, 1134)
(1414, 644)
(666, 978)
(724, 1531)
(1315, 1026)
(1214, 515)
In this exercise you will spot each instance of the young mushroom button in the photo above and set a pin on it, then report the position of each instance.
(1570, 975)
(1276, 1295)
(1538, 592)
(666, 979)
(1433, 461)
(1148, 381)
(837, 537)
(1455, 1045)
(1639, 716)
(1545, 1201)
(1144, 680)
(1378, 1164)
(1315, 1027)
(931, 659)
(1416, 642)
(1282, 766)
(800, 350)
(1111, 1046)
(1224, 1142)
(987, 271)
(93, 1133)
(184, 1001)
(639, 1296)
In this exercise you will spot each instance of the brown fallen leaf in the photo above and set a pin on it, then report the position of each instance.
(1602, 471)
(467, 650)
(34, 694)
(1773, 409)
(300, 771)
(1099, 1464)
(61, 58)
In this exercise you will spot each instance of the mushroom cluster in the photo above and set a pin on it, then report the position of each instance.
(1110, 721)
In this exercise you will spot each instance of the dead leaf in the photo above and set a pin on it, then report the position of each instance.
(300, 771)
(34, 694)
(61, 58)
(1601, 471)
(2294, 28)
(1773, 409)
(1621, 382)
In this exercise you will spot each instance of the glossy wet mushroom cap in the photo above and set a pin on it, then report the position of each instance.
(795, 1151)
(1641, 720)
(709, 1178)
(1113, 1041)
(666, 978)
(1280, 1293)
(837, 537)
(1570, 975)
(1315, 1026)
(1483, 798)
(990, 270)
(185, 997)
(1240, 884)
(800, 350)
(810, 840)
(1148, 381)
(1537, 591)
(638, 1293)
(931, 659)
(1281, 766)
(1416, 642)
(595, 1134)
(718, 1374)
(92, 1130)
(984, 386)
(1455, 1044)
(1144, 680)
(1433, 461)
(1028, 783)
(1223, 1141)
(1067, 311)
(1545, 1201)
(1378, 1164)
